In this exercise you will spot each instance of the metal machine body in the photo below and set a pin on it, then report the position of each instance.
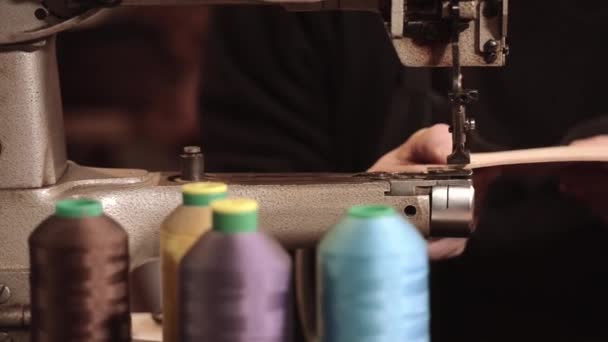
(297, 209)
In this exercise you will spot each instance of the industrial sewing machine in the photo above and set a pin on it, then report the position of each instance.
(35, 171)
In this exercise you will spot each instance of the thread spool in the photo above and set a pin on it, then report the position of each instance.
(235, 281)
(79, 261)
(373, 279)
(178, 233)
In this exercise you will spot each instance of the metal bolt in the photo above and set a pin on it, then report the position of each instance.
(471, 124)
(41, 14)
(5, 337)
(490, 51)
(192, 164)
(192, 149)
(5, 294)
(491, 45)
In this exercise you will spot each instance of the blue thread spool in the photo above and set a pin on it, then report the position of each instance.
(373, 279)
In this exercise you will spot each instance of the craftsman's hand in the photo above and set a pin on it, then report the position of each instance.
(427, 146)
(589, 182)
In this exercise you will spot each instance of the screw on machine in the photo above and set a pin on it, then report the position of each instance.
(5, 294)
(192, 163)
(490, 51)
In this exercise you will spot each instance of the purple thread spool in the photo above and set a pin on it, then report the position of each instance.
(235, 281)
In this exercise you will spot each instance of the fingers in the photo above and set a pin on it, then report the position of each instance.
(593, 141)
(434, 146)
(427, 146)
(446, 248)
(412, 168)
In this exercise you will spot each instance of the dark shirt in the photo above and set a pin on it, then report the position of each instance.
(305, 92)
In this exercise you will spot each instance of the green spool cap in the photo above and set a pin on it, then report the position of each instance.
(203, 193)
(235, 215)
(78, 208)
(371, 211)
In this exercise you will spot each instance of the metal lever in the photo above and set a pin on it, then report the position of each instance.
(459, 97)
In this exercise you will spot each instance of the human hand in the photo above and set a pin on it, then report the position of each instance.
(588, 182)
(430, 145)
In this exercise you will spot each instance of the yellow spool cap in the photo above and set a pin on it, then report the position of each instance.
(235, 215)
(202, 194)
(206, 188)
(235, 206)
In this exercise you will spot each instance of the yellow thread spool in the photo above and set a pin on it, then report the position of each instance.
(179, 231)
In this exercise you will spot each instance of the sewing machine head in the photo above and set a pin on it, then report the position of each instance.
(421, 31)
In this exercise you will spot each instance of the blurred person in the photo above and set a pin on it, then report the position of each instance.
(130, 82)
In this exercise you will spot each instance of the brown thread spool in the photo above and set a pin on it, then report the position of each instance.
(79, 263)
